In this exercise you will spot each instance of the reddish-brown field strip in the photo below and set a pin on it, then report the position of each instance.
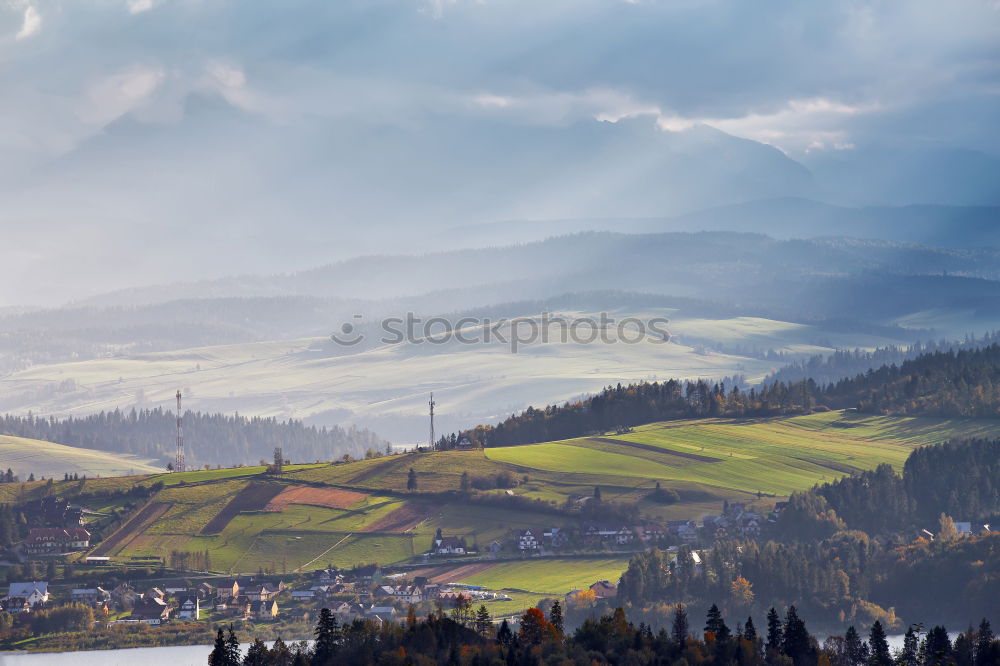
(130, 530)
(331, 498)
(254, 497)
(402, 519)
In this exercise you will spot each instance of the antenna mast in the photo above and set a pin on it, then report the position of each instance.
(179, 458)
(431, 404)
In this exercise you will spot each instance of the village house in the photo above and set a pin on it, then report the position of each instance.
(328, 576)
(205, 591)
(90, 596)
(650, 533)
(155, 593)
(494, 549)
(124, 596)
(603, 589)
(606, 534)
(303, 595)
(189, 608)
(175, 586)
(556, 537)
(151, 611)
(408, 594)
(23, 596)
(685, 530)
(237, 607)
(228, 590)
(264, 610)
(55, 540)
(366, 574)
(448, 546)
(263, 592)
(526, 540)
(382, 612)
(347, 612)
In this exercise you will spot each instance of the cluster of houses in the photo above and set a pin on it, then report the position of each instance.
(735, 518)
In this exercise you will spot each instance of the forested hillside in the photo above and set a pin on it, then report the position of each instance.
(849, 551)
(958, 479)
(965, 383)
(847, 363)
(209, 438)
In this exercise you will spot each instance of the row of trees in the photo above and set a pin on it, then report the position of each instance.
(831, 368)
(610, 639)
(210, 438)
(962, 383)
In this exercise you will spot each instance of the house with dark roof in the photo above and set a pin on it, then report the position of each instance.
(449, 546)
(27, 595)
(264, 610)
(189, 608)
(150, 610)
(55, 540)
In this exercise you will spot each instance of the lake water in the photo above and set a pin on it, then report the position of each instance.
(184, 655)
(181, 655)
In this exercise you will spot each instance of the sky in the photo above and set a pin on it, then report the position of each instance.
(142, 140)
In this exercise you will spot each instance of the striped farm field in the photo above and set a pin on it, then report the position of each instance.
(775, 456)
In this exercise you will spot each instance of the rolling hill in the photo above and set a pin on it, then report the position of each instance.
(50, 460)
(384, 387)
(350, 513)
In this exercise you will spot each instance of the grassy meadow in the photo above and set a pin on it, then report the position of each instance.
(50, 460)
(360, 512)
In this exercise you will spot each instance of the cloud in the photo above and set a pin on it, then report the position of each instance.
(799, 125)
(31, 23)
(139, 6)
(117, 94)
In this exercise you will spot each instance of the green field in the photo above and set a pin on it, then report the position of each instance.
(377, 520)
(32, 456)
(774, 456)
(549, 577)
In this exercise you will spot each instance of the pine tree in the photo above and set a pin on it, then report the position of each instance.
(556, 616)
(795, 640)
(464, 483)
(233, 655)
(984, 644)
(257, 655)
(505, 637)
(909, 655)
(411, 480)
(750, 631)
(879, 646)
(855, 650)
(483, 620)
(326, 638)
(774, 637)
(937, 647)
(716, 624)
(218, 656)
(679, 628)
(279, 654)
(597, 493)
